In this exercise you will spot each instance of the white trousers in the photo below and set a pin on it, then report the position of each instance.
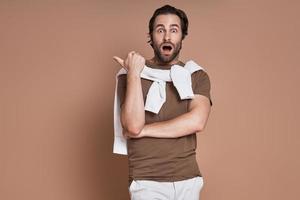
(188, 189)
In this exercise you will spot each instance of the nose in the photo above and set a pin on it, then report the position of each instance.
(167, 36)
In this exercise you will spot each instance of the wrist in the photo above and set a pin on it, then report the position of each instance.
(143, 132)
(133, 73)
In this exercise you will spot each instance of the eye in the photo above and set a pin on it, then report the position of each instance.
(174, 30)
(160, 30)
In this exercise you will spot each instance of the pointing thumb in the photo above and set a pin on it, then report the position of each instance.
(119, 60)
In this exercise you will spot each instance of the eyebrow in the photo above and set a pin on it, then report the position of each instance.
(172, 25)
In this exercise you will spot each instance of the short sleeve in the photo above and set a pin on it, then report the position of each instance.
(201, 84)
(122, 81)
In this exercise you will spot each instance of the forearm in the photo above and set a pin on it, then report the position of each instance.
(174, 128)
(192, 121)
(132, 112)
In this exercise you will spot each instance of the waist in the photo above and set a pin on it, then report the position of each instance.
(162, 159)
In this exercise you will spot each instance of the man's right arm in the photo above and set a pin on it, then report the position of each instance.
(132, 110)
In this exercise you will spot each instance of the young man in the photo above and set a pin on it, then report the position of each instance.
(161, 145)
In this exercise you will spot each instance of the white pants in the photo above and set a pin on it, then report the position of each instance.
(188, 189)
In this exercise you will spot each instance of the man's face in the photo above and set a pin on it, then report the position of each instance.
(166, 38)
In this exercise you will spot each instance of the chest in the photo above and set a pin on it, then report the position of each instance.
(172, 108)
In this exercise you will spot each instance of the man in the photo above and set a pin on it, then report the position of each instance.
(161, 146)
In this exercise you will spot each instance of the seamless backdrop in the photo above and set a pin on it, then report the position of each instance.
(57, 86)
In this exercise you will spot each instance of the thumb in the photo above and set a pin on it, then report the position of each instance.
(119, 60)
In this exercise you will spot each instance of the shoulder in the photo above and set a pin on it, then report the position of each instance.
(200, 75)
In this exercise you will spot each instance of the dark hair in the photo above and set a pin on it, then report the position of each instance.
(167, 9)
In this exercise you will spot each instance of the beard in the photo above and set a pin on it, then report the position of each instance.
(165, 59)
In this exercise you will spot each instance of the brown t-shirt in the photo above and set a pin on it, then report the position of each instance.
(165, 159)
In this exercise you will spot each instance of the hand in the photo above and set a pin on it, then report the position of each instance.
(125, 134)
(134, 63)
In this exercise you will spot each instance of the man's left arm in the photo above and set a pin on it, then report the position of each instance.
(192, 121)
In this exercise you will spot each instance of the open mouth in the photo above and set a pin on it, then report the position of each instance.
(167, 48)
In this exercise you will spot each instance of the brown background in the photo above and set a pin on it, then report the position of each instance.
(57, 85)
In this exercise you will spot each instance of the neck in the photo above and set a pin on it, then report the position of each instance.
(158, 62)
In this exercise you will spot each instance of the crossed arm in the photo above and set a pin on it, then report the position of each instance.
(133, 113)
(192, 121)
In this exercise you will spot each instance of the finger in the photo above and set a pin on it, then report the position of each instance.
(131, 53)
(139, 55)
(125, 135)
(119, 60)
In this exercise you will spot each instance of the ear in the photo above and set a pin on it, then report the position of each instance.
(149, 39)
